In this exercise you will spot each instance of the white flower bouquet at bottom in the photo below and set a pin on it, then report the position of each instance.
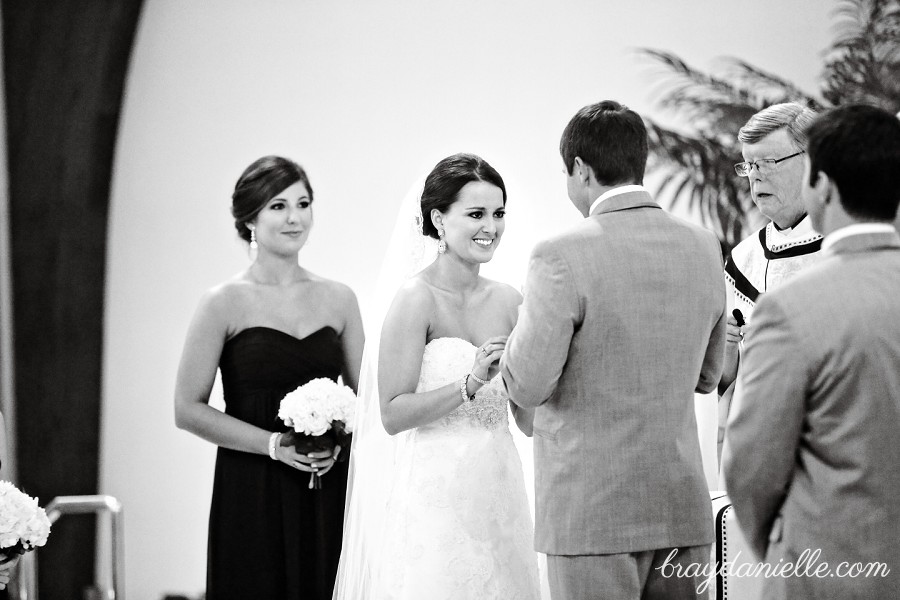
(23, 524)
(321, 414)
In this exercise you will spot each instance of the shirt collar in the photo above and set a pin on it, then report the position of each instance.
(855, 229)
(622, 189)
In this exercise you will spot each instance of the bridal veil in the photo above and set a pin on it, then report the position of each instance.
(377, 460)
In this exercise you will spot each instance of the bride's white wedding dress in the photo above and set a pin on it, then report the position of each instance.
(438, 512)
(458, 524)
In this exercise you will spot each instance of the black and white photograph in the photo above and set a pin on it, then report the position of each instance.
(472, 300)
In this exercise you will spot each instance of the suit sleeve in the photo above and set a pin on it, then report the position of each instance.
(538, 347)
(714, 359)
(764, 431)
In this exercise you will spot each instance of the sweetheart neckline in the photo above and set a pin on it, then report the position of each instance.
(451, 337)
(284, 333)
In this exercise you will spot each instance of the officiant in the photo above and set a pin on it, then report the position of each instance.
(773, 144)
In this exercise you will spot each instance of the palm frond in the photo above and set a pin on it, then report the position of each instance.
(769, 88)
(863, 63)
(697, 174)
(701, 98)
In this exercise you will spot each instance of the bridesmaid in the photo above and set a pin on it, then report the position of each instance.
(269, 329)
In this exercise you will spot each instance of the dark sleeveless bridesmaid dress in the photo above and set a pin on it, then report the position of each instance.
(270, 536)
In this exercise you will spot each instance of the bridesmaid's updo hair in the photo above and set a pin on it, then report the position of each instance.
(260, 182)
(448, 177)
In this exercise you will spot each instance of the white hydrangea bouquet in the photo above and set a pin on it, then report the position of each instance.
(322, 414)
(23, 524)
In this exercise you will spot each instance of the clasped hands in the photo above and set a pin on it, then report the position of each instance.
(318, 461)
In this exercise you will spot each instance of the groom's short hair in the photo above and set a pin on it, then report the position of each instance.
(611, 139)
(858, 147)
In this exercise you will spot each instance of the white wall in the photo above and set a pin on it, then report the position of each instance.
(367, 96)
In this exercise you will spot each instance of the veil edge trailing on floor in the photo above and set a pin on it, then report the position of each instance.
(377, 460)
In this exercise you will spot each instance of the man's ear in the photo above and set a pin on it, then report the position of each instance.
(585, 172)
(580, 169)
(824, 187)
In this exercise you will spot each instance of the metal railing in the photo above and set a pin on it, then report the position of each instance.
(108, 506)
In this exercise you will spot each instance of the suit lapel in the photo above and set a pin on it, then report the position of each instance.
(625, 201)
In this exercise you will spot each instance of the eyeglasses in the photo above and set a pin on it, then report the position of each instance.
(764, 166)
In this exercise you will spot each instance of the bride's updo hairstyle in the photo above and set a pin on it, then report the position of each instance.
(448, 177)
(260, 182)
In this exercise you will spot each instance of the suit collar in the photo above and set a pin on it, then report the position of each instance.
(855, 229)
(625, 201)
(865, 242)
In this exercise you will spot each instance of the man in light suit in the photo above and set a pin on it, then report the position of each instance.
(623, 320)
(813, 464)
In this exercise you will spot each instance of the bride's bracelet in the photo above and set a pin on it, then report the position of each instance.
(479, 379)
(464, 391)
(273, 444)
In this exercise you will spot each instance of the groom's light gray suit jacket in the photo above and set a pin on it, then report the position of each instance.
(623, 319)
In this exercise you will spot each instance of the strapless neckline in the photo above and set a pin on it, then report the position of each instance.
(282, 333)
(450, 337)
(264, 362)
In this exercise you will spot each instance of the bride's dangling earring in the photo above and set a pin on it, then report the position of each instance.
(442, 244)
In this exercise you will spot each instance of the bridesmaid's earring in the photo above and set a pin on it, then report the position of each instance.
(254, 247)
(442, 244)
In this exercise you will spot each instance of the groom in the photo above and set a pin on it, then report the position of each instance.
(623, 320)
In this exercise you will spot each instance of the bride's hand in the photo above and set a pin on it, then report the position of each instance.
(487, 357)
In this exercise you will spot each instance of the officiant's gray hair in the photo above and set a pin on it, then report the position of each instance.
(793, 117)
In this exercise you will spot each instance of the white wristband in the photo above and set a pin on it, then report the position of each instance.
(273, 441)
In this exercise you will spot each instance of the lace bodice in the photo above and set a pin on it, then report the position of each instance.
(448, 359)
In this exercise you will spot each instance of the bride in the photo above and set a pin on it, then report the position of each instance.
(438, 509)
